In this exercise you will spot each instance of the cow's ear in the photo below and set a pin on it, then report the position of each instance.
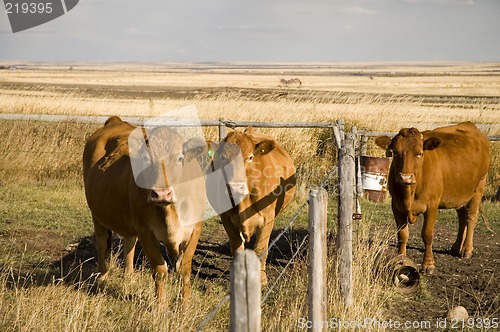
(264, 147)
(193, 148)
(383, 142)
(431, 143)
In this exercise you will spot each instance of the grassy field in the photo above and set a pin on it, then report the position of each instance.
(46, 252)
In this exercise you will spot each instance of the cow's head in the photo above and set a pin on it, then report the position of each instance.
(159, 158)
(234, 172)
(235, 155)
(407, 149)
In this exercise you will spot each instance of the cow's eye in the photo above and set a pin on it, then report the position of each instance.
(250, 158)
(180, 158)
(420, 154)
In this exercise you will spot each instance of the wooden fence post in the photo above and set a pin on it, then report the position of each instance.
(316, 288)
(363, 145)
(245, 292)
(341, 126)
(222, 129)
(345, 222)
(336, 136)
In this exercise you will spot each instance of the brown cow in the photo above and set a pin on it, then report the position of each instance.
(444, 168)
(252, 181)
(170, 212)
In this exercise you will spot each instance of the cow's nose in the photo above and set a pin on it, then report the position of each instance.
(162, 196)
(239, 189)
(406, 178)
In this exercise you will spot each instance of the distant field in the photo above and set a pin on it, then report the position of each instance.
(46, 251)
(376, 97)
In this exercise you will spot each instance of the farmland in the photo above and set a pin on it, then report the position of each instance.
(46, 250)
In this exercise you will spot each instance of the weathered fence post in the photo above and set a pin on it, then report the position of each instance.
(245, 292)
(345, 222)
(222, 129)
(341, 126)
(316, 289)
(336, 135)
(363, 145)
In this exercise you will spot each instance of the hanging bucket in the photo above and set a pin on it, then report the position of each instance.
(374, 172)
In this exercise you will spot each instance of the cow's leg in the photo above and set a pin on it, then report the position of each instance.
(473, 213)
(403, 232)
(184, 263)
(128, 253)
(261, 246)
(463, 216)
(102, 238)
(234, 235)
(427, 234)
(151, 247)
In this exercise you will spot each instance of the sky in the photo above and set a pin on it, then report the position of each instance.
(262, 31)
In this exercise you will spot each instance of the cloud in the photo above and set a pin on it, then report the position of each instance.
(133, 30)
(359, 11)
(97, 2)
(442, 2)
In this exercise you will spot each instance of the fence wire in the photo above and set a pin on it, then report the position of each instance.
(226, 298)
(214, 311)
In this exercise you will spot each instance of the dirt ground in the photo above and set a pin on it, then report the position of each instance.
(473, 284)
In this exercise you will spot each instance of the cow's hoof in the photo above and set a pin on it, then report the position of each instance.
(101, 283)
(455, 252)
(102, 277)
(428, 270)
(466, 254)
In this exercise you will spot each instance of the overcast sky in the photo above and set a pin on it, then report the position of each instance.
(262, 30)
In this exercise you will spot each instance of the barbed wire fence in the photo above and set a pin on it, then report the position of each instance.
(338, 136)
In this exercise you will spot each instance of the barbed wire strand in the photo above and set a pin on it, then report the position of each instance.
(284, 230)
(226, 297)
(214, 311)
(284, 270)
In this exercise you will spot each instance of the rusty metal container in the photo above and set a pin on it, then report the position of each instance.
(405, 276)
(402, 273)
(374, 172)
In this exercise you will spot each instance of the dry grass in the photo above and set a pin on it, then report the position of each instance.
(311, 149)
(129, 304)
(120, 305)
(40, 154)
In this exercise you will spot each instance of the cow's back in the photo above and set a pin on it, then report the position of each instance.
(273, 171)
(107, 175)
(458, 164)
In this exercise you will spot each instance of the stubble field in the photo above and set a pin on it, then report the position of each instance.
(47, 256)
